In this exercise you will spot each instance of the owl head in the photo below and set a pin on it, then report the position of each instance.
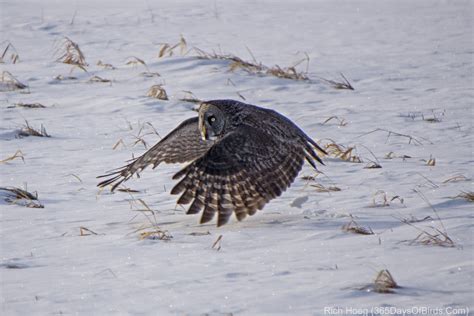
(212, 120)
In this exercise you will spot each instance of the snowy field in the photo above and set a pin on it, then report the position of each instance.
(411, 64)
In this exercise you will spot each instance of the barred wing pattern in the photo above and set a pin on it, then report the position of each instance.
(241, 173)
(183, 144)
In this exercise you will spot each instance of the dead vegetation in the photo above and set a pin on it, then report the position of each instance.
(9, 54)
(158, 92)
(321, 188)
(8, 82)
(253, 67)
(149, 230)
(18, 154)
(135, 61)
(64, 78)
(430, 236)
(432, 118)
(355, 228)
(341, 85)
(341, 152)
(381, 199)
(456, 178)
(105, 65)
(99, 79)
(384, 283)
(68, 52)
(430, 162)
(190, 97)
(17, 196)
(144, 129)
(27, 130)
(411, 139)
(341, 121)
(257, 68)
(468, 196)
(218, 243)
(392, 155)
(168, 50)
(34, 105)
(83, 231)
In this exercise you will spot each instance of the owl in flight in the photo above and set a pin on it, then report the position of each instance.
(241, 156)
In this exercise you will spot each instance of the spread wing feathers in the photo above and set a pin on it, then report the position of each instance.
(239, 174)
(182, 144)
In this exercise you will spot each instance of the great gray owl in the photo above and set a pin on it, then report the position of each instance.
(241, 155)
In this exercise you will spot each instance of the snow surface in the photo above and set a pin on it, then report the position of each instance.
(408, 61)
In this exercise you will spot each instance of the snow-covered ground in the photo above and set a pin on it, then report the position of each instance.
(411, 64)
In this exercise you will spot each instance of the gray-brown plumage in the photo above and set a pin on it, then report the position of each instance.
(241, 155)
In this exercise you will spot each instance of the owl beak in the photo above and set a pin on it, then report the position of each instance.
(202, 128)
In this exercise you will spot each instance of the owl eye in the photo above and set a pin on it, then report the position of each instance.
(211, 119)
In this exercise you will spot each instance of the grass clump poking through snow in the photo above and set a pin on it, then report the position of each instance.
(468, 196)
(9, 54)
(158, 92)
(8, 82)
(18, 196)
(70, 53)
(354, 227)
(339, 151)
(167, 50)
(151, 230)
(383, 283)
(27, 130)
(430, 236)
(16, 155)
(344, 84)
(257, 68)
(34, 105)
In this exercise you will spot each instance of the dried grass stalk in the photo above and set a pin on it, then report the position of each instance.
(190, 97)
(255, 67)
(8, 82)
(35, 105)
(343, 153)
(61, 78)
(70, 53)
(434, 237)
(344, 84)
(341, 121)
(83, 231)
(431, 162)
(149, 74)
(468, 196)
(98, 79)
(158, 92)
(431, 236)
(105, 65)
(380, 199)
(321, 188)
(354, 227)
(372, 165)
(21, 197)
(27, 130)
(167, 50)
(384, 282)
(456, 178)
(9, 54)
(16, 155)
(218, 243)
(156, 234)
(134, 61)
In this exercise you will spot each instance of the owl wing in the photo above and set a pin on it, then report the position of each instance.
(182, 144)
(239, 174)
